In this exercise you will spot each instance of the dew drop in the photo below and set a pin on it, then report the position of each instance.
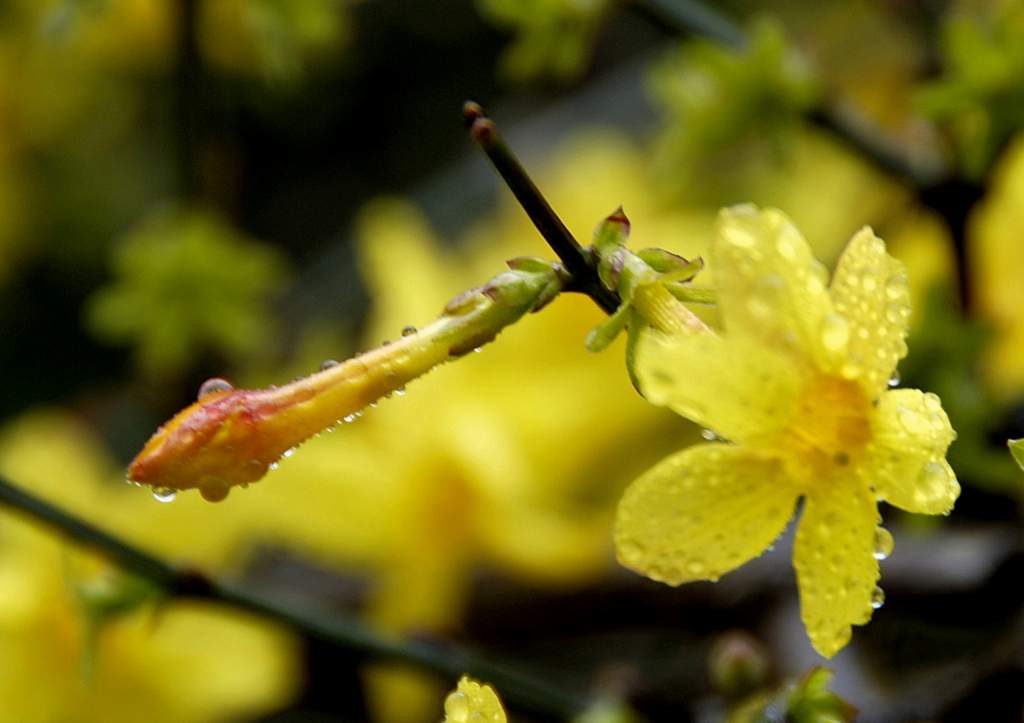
(883, 543)
(786, 245)
(877, 598)
(408, 330)
(348, 418)
(478, 350)
(695, 567)
(400, 392)
(835, 332)
(373, 405)
(214, 385)
(164, 494)
(708, 434)
(894, 380)
(328, 364)
(273, 465)
(288, 452)
(931, 483)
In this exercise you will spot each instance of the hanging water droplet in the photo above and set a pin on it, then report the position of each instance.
(328, 363)
(400, 392)
(835, 332)
(359, 414)
(883, 543)
(273, 465)
(214, 385)
(164, 494)
(348, 418)
(288, 452)
(708, 434)
(408, 330)
(478, 350)
(373, 404)
(877, 598)
(894, 380)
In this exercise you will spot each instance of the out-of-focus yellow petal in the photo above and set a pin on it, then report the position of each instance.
(770, 286)
(404, 267)
(870, 291)
(702, 512)
(834, 560)
(472, 702)
(730, 384)
(907, 459)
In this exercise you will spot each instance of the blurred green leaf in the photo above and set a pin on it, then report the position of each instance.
(979, 95)
(552, 39)
(185, 282)
(1017, 450)
(727, 110)
(807, 700)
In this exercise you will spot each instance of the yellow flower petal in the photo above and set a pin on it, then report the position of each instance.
(702, 512)
(907, 462)
(729, 384)
(472, 701)
(770, 286)
(834, 560)
(871, 292)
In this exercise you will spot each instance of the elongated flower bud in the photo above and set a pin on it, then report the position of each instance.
(232, 436)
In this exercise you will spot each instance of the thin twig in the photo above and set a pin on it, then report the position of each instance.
(578, 261)
(694, 18)
(342, 631)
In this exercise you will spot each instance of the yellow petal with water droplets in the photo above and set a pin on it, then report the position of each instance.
(870, 291)
(906, 461)
(473, 702)
(702, 512)
(834, 560)
(733, 385)
(770, 286)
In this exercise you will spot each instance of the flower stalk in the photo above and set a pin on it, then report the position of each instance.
(232, 437)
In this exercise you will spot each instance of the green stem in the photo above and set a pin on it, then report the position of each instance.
(692, 17)
(578, 261)
(450, 661)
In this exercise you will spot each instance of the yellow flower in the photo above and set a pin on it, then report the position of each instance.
(798, 383)
(472, 701)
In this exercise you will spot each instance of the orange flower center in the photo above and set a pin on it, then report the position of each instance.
(830, 427)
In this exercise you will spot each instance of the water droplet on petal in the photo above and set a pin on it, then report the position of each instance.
(883, 543)
(877, 598)
(835, 332)
(695, 567)
(328, 363)
(478, 350)
(348, 418)
(708, 434)
(164, 494)
(894, 380)
(288, 452)
(400, 391)
(408, 330)
(273, 465)
(931, 483)
(214, 385)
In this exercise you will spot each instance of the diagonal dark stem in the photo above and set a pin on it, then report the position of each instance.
(579, 262)
(518, 689)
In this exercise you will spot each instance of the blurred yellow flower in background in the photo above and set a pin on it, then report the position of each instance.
(996, 254)
(799, 382)
(183, 662)
(473, 702)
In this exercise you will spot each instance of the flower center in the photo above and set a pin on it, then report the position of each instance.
(830, 426)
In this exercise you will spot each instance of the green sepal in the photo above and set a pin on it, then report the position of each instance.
(602, 335)
(670, 264)
(692, 294)
(612, 233)
(636, 327)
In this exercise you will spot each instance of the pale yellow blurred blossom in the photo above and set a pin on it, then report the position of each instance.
(473, 702)
(996, 261)
(144, 660)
